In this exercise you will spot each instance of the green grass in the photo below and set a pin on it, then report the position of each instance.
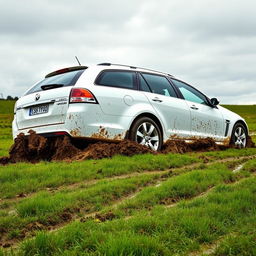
(91, 198)
(44, 174)
(242, 242)
(229, 153)
(180, 187)
(174, 231)
(6, 117)
(7, 106)
(248, 112)
(49, 209)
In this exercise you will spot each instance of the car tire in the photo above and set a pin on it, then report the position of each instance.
(146, 131)
(239, 136)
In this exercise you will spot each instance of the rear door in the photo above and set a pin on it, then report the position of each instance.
(173, 111)
(206, 120)
(46, 103)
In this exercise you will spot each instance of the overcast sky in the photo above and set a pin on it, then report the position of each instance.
(210, 44)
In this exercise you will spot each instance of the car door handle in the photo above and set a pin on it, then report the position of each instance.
(194, 107)
(157, 99)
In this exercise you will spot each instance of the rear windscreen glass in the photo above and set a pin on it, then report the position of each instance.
(65, 79)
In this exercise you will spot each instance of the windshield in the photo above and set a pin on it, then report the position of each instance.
(65, 79)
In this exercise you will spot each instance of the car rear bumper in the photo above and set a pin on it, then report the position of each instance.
(85, 121)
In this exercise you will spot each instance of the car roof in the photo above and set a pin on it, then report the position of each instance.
(104, 66)
(134, 68)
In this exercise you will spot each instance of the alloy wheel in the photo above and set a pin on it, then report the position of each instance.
(147, 135)
(240, 137)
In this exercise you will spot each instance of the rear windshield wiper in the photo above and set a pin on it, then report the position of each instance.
(51, 86)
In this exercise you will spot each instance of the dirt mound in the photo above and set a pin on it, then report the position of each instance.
(30, 148)
(250, 143)
(63, 149)
(179, 146)
(104, 150)
(175, 146)
(34, 148)
(206, 144)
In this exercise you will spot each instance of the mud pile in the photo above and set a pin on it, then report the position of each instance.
(35, 148)
(105, 150)
(250, 143)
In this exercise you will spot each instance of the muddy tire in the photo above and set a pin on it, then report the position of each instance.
(239, 136)
(146, 131)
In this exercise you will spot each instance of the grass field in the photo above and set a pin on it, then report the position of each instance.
(174, 204)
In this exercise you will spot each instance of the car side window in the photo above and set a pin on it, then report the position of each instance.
(190, 93)
(159, 84)
(121, 79)
(143, 85)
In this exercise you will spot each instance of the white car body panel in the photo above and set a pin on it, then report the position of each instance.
(174, 113)
(206, 121)
(116, 110)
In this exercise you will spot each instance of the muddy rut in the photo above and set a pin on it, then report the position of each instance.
(35, 148)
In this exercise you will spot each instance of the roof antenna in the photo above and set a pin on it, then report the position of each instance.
(78, 61)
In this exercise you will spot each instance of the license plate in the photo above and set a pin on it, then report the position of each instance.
(37, 110)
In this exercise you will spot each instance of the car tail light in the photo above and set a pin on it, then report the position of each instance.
(59, 133)
(79, 95)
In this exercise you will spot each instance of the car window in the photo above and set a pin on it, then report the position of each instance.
(143, 85)
(190, 93)
(66, 79)
(159, 84)
(122, 79)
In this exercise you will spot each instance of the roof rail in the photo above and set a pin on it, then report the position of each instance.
(133, 67)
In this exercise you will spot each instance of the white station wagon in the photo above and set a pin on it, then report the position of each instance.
(113, 102)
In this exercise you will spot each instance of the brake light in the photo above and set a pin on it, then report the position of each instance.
(81, 95)
(60, 133)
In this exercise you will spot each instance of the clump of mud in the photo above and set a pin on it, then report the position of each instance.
(104, 150)
(175, 146)
(35, 148)
(250, 143)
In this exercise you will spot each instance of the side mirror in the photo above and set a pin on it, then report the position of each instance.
(214, 101)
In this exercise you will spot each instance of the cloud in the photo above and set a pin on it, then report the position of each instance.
(210, 44)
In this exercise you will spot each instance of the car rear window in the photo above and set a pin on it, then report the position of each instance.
(121, 79)
(65, 79)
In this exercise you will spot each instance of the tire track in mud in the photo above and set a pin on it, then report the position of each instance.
(208, 249)
(109, 215)
(98, 216)
(72, 186)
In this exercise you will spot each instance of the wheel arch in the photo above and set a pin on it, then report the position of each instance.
(243, 123)
(149, 115)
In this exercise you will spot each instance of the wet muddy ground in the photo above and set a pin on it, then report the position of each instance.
(34, 148)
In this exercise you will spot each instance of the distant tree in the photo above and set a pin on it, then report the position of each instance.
(9, 97)
(16, 98)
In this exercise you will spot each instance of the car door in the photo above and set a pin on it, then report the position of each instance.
(206, 120)
(173, 111)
